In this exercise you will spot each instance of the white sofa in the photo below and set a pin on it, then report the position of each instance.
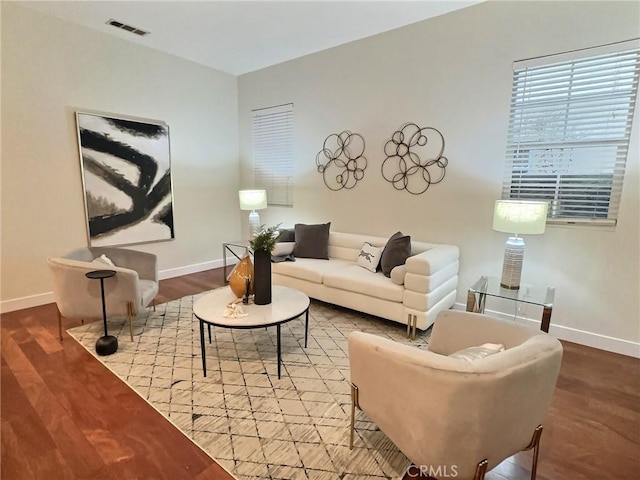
(429, 283)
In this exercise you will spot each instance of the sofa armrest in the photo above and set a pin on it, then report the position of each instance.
(432, 260)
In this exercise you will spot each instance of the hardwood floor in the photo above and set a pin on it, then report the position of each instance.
(65, 416)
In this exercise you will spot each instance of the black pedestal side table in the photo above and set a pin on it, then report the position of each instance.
(107, 344)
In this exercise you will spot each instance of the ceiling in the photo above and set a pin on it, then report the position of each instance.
(243, 36)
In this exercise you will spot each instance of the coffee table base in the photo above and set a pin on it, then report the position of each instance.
(278, 346)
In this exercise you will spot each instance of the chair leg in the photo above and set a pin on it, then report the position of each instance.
(154, 304)
(481, 470)
(535, 444)
(354, 404)
(130, 315)
(59, 323)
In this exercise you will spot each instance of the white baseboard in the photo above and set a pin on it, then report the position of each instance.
(602, 342)
(26, 302)
(187, 269)
(195, 268)
(595, 340)
(47, 297)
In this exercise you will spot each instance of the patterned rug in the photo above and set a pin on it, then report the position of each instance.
(256, 425)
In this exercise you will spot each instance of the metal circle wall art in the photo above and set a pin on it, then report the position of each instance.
(341, 161)
(404, 168)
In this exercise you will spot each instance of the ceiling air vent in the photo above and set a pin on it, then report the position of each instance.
(128, 28)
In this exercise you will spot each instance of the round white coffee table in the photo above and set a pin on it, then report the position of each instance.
(286, 304)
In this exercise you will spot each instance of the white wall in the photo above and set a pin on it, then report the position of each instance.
(52, 68)
(454, 73)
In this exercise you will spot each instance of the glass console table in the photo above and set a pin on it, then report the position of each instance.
(533, 294)
(234, 248)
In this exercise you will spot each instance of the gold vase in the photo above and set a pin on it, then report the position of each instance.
(238, 277)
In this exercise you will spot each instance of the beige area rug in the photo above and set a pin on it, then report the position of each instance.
(256, 425)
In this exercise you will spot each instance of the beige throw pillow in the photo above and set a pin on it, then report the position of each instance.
(282, 249)
(104, 260)
(369, 257)
(476, 353)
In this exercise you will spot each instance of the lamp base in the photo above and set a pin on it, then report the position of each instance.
(512, 264)
(106, 345)
(254, 223)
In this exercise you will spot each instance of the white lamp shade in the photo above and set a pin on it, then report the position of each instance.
(253, 199)
(520, 217)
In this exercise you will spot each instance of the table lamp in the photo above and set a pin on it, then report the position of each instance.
(253, 200)
(519, 218)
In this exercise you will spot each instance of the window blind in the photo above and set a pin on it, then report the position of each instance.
(569, 129)
(272, 129)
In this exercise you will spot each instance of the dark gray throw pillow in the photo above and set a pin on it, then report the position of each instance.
(286, 235)
(396, 252)
(312, 241)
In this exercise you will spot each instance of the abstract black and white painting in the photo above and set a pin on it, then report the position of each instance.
(126, 172)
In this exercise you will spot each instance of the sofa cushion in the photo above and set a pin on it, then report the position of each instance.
(309, 269)
(352, 278)
(395, 253)
(369, 257)
(346, 246)
(312, 241)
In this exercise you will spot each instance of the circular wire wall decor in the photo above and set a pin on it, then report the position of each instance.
(414, 158)
(341, 161)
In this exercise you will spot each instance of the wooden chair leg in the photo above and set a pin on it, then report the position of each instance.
(59, 324)
(354, 404)
(130, 315)
(154, 304)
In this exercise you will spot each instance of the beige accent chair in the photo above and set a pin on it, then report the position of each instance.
(448, 412)
(132, 289)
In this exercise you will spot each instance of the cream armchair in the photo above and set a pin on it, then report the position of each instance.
(132, 289)
(455, 414)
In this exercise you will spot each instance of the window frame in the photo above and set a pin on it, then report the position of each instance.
(272, 152)
(542, 162)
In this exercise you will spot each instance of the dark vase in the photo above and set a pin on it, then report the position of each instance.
(262, 277)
